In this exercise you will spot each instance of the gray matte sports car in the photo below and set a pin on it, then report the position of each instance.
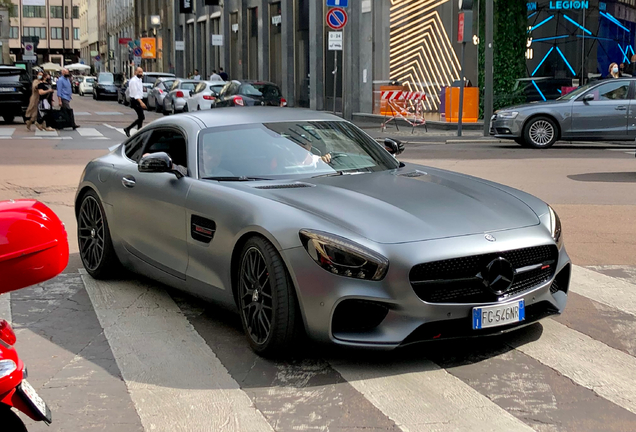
(602, 110)
(305, 224)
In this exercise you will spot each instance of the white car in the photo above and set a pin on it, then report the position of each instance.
(86, 86)
(204, 95)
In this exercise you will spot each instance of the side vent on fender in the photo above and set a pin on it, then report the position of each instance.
(202, 229)
(416, 173)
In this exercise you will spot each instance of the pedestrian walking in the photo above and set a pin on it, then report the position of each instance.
(136, 94)
(65, 94)
(46, 102)
(215, 76)
(223, 75)
(32, 111)
(197, 76)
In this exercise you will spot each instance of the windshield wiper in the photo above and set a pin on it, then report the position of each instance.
(344, 172)
(236, 178)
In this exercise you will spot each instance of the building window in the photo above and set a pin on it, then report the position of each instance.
(34, 31)
(76, 33)
(76, 12)
(34, 11)
(14, 33)
(56, 11)
(13, 11)
(67, 33)
(56, 32)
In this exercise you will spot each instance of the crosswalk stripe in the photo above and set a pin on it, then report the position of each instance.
(46, 134)
(592, 364)
(420, 396)
(89, 132)
(604, 289)
(6, 131)
(174, 379)
(120, 130)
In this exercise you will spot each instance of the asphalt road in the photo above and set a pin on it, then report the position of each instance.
(132, 355)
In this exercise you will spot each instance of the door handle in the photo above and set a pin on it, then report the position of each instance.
(128, 181)
(621, 108)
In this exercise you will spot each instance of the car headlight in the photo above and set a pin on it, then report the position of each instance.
(507, 114)
(7, 367)
(555, 227)
(343, 257)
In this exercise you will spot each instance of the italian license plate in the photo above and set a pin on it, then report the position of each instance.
(35, 401)
(7, 89)
(498, 315)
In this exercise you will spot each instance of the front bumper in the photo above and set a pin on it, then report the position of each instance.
(506, 128)
(408, 318)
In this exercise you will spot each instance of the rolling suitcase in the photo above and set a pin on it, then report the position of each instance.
(59, 119)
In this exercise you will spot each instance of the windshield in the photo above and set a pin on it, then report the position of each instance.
(90, 80)
(106, 78)
(264, 90)
(290, 149)
(576, 93)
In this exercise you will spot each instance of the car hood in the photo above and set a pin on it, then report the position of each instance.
(389, 207)
(535, 105)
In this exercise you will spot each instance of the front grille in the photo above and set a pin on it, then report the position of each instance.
(455, 280)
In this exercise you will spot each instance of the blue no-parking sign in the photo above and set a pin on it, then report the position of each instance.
(137, 51)
(338, 3)
(336, 18)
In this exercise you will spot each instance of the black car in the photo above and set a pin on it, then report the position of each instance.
(15, 92)
(250, 93)
(105, 87)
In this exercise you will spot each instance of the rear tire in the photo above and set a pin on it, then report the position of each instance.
(10, 421)
(540, 132)
(94, 240)
(267, 300)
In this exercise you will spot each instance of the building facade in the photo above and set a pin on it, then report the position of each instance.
(55, 22)
(120, 26)
(90, 34)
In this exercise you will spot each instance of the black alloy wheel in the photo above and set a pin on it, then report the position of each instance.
(267, 300)
(256, 295)
(93, 235)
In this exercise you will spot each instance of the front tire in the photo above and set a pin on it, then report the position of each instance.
(266, 299)
(93, 236)
(540, 132)
(8, 119)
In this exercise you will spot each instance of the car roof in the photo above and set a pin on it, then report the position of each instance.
(161, 74)
(12, 69)
(232, 116)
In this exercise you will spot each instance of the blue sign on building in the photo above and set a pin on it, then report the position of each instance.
(568, 5)
(337, 3)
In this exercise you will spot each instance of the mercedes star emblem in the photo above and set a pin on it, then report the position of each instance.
(490, 238)
(498, 275)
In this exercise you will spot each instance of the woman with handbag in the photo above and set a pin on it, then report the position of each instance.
(46, 102)
(32, 111)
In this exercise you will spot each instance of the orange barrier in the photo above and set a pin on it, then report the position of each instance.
(471, 104)
(405, 105)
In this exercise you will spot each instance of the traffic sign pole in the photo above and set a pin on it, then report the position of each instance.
(336, 19)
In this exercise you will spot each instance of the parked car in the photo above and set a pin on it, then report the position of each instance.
(149, 79)
(105, 86)
(175, 100)
(204, 95)
(250, 93)
(15, 92)
(158, 92)
(86, 85)
(304, 224)
(596, 111)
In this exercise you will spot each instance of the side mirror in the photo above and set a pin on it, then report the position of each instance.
(35, 247)
(588, 97)
(157, 163)
(393, 146)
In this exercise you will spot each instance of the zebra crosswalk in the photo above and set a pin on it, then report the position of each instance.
(187, 367)
(103, 131)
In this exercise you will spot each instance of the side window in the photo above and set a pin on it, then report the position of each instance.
(134, 147)
(170, 141)
(610, 91)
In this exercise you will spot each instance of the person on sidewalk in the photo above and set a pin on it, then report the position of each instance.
(136, 93)
(45, 105)
(65, 94)
(197, 75)
(32, 111)
(223, 75)
(215, 76)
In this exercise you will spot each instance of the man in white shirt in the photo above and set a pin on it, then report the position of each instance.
(215, 76)
(197, 75)
(136, 94)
